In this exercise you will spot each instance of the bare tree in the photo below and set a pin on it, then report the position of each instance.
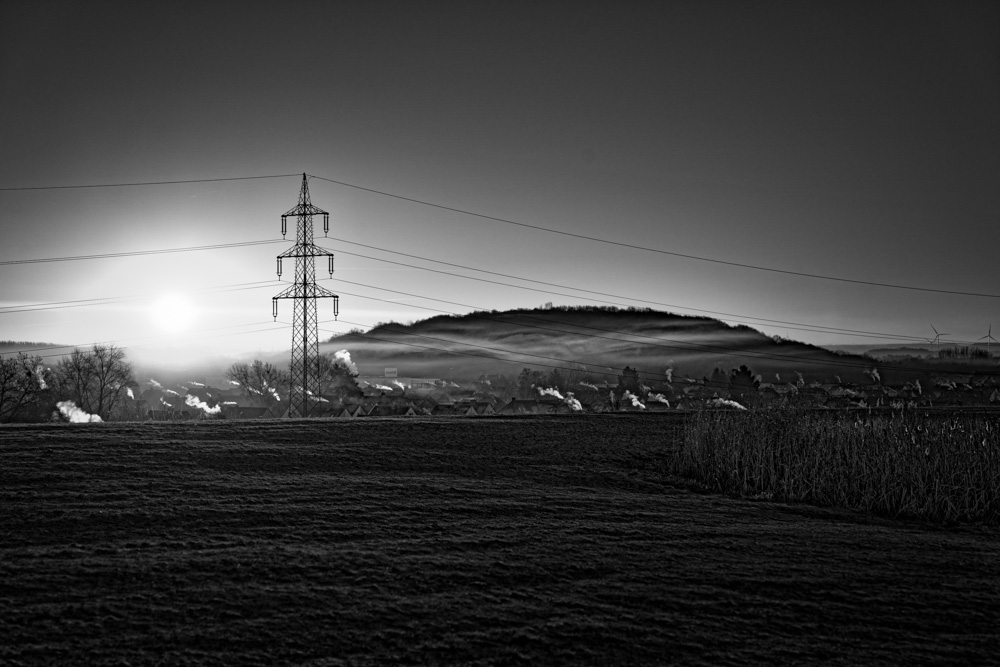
(336, 378)
(97, 381)
(263, 383)
(743, 386)
(21, 380)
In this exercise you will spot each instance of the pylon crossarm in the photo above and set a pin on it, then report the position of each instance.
(300, 291)
(293, 292)
(304, 209)
(306, 250)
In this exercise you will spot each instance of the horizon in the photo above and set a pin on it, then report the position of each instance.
(685, 350)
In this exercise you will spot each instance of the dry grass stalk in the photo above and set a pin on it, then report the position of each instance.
(941, 469)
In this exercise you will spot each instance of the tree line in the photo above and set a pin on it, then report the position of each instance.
(101, 381)
(97, 381)
(265, 384)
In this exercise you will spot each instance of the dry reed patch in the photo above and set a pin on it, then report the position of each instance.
(930, 467)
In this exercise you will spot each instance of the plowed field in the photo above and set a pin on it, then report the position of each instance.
(554, 540)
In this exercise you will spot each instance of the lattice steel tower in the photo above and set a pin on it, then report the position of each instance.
(303, 293)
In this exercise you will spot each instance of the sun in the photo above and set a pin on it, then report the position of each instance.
(173, 313)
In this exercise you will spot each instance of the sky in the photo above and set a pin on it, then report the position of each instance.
(857, 141)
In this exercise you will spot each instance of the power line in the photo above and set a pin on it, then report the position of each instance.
(102, 301)
(501, 350)
(616, 374)
(139, 253)
(786, 324)
(658, 250)
(126, 185)
(146, 338)
(484, 356)
(676, 376)
(659, 342)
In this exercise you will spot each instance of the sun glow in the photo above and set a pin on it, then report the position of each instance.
(173, 313)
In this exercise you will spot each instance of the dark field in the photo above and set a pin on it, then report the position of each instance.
(489, 541)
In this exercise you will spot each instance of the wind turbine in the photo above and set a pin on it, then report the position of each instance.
(989, 337)
(937, 339)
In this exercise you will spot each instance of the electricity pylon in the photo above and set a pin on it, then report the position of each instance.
(303, 293)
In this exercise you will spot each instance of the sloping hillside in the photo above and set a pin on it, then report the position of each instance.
(596, 340)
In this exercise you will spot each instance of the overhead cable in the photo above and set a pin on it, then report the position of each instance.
(138, 253)
(657, 250)
(126, 185)
(786, 324)
(658, 342)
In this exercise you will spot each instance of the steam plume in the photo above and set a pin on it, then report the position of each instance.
(345, 356)
(130, 394)
(234, 382)
(230, 403)
(169, 405)
(399, 384)
(658, 398)
(636, 403)
(801, 381)
(40, 377)
(573, 403)
(873, 374)
(75, 415)
(382, 387)
(195, 384)
(725, 403)
(171, 391)
(588, 385)
(155, 383)
(274, 392)
(202, 405)
(670, 375)
(549, 392)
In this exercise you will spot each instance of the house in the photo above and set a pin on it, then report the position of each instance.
(168, 415)
(699, 391)
(484, 408)
(841, 397)
(777, 394)
(812, 396)
(392, 410)
(349, 412)
(237, 412)
(529, 406)
(450, 411)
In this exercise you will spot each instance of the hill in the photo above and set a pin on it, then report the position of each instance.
(596, 341)
(15, 346)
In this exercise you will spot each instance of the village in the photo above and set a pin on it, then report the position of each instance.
(392, 396)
